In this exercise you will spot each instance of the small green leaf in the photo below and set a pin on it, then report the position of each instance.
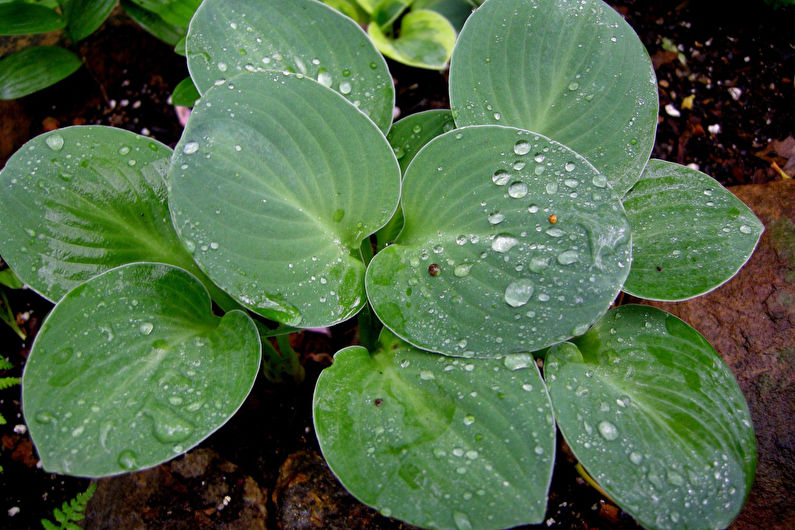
(425, 40)
(83, 17)
(33, 69)
(185, 94)
(368, 5)
(275, 183)
(573, 71)
(10, 280)
(511, 243)
(174, 12)
(689, 234)
(20, 18)
(349, 8)
(300, 36)
(151, 22)
(387, 12)
(428, 439)
(456, 11)
(112, 384)
(81, 200)
(656, 418)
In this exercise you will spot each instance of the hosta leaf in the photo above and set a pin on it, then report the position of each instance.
(300, 36)
(438, 442)
(573, 71)
(83, 17)
(656, 418)
(407, 137)
(512, 242)
(81, 200)
(32, 69)
(689, 233)
(425, 40)
(18, 18)
(151, 22)
(275, 183)
(131, 369)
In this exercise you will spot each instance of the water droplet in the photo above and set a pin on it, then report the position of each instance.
(533, 208)
(469, 419)
(518, 293)
(555, 232)
(168, 426)
(501, 177)
(518, 166)
(496, 218)
(325, 79)
(551, 188)
(521, 147)
(537, 264)
(123, 150)
(569, 167)
(538, 450)
(543, 297)
(518, 361)
(517, 190)
(462, 270)
(426, 375)
(338, 215)
(44, 417)
(600, 181)
(674, 517)
(54, 142)
(146, 328)
(568, 257)
(417, 129)
(675, 478)
(608, 431)
(745, 229)
(461, 521)
(127, 460)
(504, 243)
(222, 67)
(571, 183)
(539, 170)
(527, 387)
(574, 86)
(635, 458)
(190, 148)
(345, 87)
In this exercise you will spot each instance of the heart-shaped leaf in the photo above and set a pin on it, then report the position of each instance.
(275, 183)
(689, 233)
(132, 369)
(512, 242)
(300, 36)
(404, 429)
(35, 68)
(425, 40)
(656, 418)
(573, 71)
(81, 200)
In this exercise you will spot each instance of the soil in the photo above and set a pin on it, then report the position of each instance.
(726, 93)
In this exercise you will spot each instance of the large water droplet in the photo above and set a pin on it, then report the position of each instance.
(745, 229)
(168, 426)
(44, 417)
(461, 521)
(635, 458)
(568, 257)
(128, 460)
(555, 232)
(501, 177)
(461, 270)
(146, 328)
(518, 361)
(503, 243)
(600, 181)
(325, 79)
(522, 147)
(496, 218)
(608, 431)
(518, 293)
(190, 148)
(123, 150)
(517, 190)
(345, 87)
(54, 142)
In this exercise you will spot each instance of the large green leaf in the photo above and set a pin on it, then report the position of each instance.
(689, 233)
(81, 200)
(19, 18)
(573, 71)
(132, 369)
(83, 17)
(438, 442)
(425, 40)
(656, 418)
(151, 22)
(32, 69)
(300, 36)
(529, 245)
(275, 183)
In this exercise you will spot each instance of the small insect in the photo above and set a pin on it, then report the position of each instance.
(659, 269)
(433, 269)
(378, 402)
(553, 219)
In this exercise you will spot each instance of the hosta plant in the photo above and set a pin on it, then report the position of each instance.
(503, 229)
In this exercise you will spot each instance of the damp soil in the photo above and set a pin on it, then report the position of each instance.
(726, 92)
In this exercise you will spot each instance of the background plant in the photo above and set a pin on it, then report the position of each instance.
(523, 212)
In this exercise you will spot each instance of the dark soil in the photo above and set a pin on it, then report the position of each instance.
(737, 66)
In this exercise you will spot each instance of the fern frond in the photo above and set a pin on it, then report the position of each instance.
(6, 382)
(70, 511)
(5, 364)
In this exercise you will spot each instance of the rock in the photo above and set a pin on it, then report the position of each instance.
(751, 323)
(198, 490)
(307, 495)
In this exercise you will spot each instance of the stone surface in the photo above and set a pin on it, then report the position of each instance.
(751, 323)
(198, 490)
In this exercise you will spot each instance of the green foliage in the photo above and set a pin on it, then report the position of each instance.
(70, 512)
(505, 229)
(6, 382)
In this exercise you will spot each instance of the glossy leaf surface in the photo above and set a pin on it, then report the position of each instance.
(573, 71)
(300, 36)
(689, 233)
(425, 40)
(185, 94)
(32, 69)
(275, 183)
(132, 369)
(81, 200)
(83, 17)
(151, 22)
(438, 442)
(20, 18)
(175, 12)
(656, 418)
(511, 243)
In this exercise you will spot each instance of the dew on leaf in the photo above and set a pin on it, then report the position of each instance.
(146, 328)
(345, 87)
(522, 147)
(517, 190)
(503, 243)
(568, 257)
(127, 460)
(501, 177)
(494, 218)
(608, 431)
(190, 148)
(55, 142)
(519, 292)
(462, 270)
